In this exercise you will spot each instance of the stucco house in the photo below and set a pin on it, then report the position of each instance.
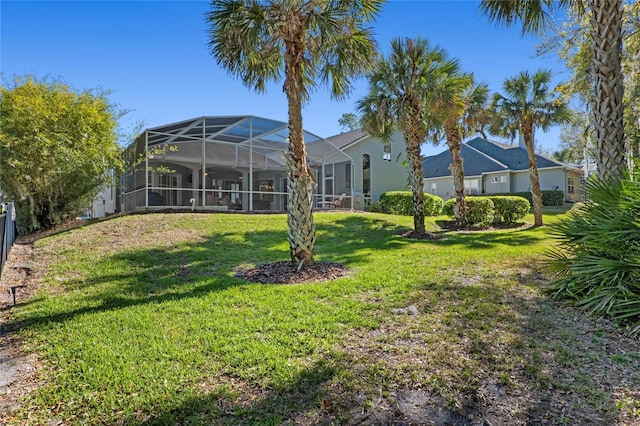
(377, 167)
(225, 163)
(495, 168)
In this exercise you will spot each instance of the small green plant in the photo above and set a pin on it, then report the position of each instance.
(550, 197)
(480, 213)
(401, 203)
(510, 209)
(597, 263)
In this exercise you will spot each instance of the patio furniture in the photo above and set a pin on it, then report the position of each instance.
(332, 204)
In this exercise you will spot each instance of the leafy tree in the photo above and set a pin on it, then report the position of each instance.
(404, 91)
(605, 30)
(57, 149)
(310, 41)
(528, 104)
(348, 122)
(576, 144)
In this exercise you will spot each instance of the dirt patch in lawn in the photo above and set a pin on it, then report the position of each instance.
(17, 369)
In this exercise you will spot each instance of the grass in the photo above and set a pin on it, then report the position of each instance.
(141, 320)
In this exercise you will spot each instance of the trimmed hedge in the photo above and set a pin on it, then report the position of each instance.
(401, 203)
(509, 209)
(480, 211)
(552, 197)
(483, 211)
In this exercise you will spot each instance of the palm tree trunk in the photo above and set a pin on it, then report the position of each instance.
(606, 35)
(536, 193)
(457, 171)
(416, 181)
(299, 179)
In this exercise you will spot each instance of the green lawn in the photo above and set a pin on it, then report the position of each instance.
(141, 320)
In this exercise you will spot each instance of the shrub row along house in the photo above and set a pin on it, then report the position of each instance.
(237, 163)
(495, 168)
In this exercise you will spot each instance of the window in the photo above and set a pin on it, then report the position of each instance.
(570, 185)
(433, 188)
(471, 186)
(494, 179)
(366, 175)
(503, 179)
(347, 175)
(387, 152)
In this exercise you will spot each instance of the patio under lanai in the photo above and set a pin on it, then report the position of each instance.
(226, 163)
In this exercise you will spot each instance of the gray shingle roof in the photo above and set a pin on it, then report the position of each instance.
(345, 139)
(481, 156)
(474, 162)
(513, 156)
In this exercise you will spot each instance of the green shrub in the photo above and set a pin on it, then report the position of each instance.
(480, 210)
(432, 204)
(554, 197)
(510, 209)
(551, 197)
(401, 203)
(597, 262)
(377, 207)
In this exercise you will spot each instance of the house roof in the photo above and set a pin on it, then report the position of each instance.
(343, 140)
(474, 163)
(513, 156)
(234, 140)
(481, 156)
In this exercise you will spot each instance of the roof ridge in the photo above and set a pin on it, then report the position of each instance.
(489, 157)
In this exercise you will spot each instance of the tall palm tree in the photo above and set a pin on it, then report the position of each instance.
(309, 41)
(606, 18)
(467, 113)
(528, 104)
(405, 89)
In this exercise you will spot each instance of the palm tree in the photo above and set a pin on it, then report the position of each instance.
(466, 114)
(526, 105)
(607, 78)
(404, 90)
(311, 41)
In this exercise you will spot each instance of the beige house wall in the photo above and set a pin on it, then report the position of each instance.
(386, 175)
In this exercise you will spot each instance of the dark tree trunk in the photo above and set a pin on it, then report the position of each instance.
(536, 193)
(457, 171)
(416, 181)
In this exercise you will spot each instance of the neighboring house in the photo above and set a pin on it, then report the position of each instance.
(105, 202)
(495, 168)
(377, 167)
(225, 163)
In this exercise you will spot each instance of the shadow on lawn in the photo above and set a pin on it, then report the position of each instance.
(194, 269)
(522, 365)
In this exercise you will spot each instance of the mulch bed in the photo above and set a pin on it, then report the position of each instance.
(450, 225)
(286, 272)
(418, 236)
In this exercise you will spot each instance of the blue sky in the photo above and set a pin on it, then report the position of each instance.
(153, 56)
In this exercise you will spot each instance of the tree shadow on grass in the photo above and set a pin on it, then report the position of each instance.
(194, 269)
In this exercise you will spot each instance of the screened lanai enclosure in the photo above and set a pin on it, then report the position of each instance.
(226, 163)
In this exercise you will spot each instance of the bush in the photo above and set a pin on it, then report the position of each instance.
(597, 263)
(401, 203)
(480, 211)
(551, 197)
(509, 209)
